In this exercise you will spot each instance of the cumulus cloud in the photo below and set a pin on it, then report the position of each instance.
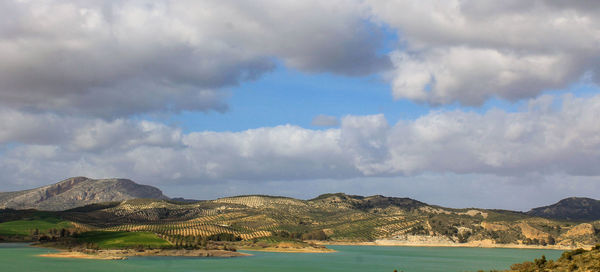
(112, 59)
(541, 139)
(118, 58)
(82, 134)
(323, 120)
(469, 51)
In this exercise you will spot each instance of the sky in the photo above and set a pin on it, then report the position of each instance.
(490, 104)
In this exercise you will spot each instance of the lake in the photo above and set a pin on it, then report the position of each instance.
(20, 257)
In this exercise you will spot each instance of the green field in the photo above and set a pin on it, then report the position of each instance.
(26, 227)
(122, 239)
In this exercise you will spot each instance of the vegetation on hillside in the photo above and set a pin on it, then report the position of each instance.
(333, 217)
(576, 260)
(573, 208)
(32, 225)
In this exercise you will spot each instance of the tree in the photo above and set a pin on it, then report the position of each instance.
(540, 263)
(315, 235)
(196, 241)
(204, 242)
(63, 233)
(464, 236)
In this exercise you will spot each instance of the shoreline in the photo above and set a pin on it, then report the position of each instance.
(478, 244)
(78, 255)
(290, 250)
(122, 254)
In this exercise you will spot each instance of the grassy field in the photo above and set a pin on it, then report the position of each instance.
(121, 239)
(26, 227)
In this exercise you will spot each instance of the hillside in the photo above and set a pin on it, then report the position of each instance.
(122, 205)
(573, 208)
(76, 192)
(336, 218)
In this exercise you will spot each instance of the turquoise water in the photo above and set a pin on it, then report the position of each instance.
(20, 257)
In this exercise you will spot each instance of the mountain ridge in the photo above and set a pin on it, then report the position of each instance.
(76, 192)
(81, 191)
(571, 208)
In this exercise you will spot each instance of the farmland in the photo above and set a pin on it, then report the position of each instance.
(117, 239)
(331, 217)
(32, 223)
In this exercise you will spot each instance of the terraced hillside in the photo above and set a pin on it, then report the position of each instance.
(333, 217)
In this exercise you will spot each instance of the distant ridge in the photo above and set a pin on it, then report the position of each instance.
(81, 191)
(77, 191)
(370, 202)
(572, 208)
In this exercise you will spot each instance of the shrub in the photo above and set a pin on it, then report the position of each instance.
(224, 237)
(569, 254)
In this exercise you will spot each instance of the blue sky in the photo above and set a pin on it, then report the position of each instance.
(290, 96)
(287, 96)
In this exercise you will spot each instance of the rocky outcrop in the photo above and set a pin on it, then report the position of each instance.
(76, 192)
(581, 230)
(532, 233)
(415, 240)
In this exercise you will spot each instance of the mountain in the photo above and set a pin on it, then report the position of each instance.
(573, 208)
(76, 192)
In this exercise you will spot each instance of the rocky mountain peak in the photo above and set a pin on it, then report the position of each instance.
(78, 191)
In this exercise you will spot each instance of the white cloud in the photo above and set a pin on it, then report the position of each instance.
(113, 59)
(118, 58)
(542, 139)
(469, 51)
(323, 120)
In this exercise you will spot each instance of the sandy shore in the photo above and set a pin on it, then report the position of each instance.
(479, 244)
(79, 255)
(291, 250)
(124, 253)
(120, 254)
